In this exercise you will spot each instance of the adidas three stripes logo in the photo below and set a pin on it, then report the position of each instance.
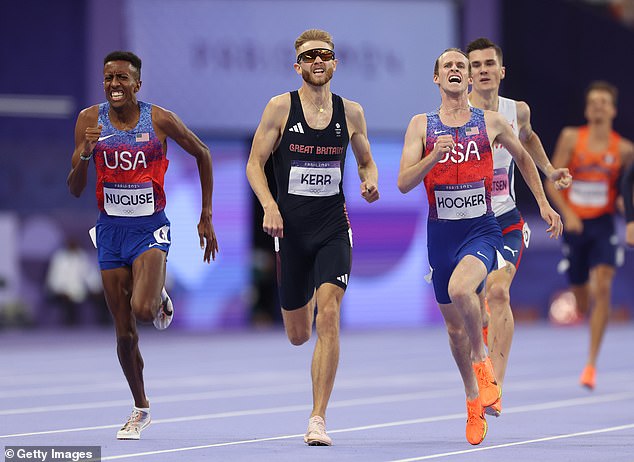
(297, 128)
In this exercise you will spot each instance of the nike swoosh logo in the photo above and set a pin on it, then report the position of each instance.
(482, 255)
(101, 138)
(438, 132)
(153, 244)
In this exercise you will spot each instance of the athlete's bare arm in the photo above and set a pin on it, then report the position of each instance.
(533, 144)
(500, 131)
(266, 140)
(626, 148)
(561, 158)
(86, 135)
(169, 125)
(414, 166)
(627, 191)
(368, 172)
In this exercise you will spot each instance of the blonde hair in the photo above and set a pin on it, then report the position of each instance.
(314, 34)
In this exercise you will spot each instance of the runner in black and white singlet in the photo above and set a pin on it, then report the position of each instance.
(450, 151)
(307, 133)
(488, 71)
(128, 140)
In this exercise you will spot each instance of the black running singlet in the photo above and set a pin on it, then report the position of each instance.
(309, 167)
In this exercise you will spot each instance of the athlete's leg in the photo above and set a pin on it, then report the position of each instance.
(601, 277)
(298, 323)
(582, 297)
(148, 273)
(485, 316)
(501, 322)
(326, 354)
(117, 284)
(460, 346)
(464, 281)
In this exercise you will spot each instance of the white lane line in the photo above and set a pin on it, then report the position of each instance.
(258, 390)
(158, 383)
(382, 399)
(355, 402)
(169, 383)
(404, 422)
(519, 443)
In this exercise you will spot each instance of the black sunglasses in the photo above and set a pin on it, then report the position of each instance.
(309, 56)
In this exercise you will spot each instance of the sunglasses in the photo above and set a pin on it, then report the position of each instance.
(309, 56)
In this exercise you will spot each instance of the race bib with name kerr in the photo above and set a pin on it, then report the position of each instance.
(314, 178)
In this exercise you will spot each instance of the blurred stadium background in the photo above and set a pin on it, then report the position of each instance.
(216, 63)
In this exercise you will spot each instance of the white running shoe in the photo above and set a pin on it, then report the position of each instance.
(165, 313)
(138, 420)
(316, 433)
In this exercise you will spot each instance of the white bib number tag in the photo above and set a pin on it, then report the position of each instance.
(459, 201)
(589, 193)
(320, 179)
(128, 199)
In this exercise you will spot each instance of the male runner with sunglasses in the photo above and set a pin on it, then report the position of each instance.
(307, 132)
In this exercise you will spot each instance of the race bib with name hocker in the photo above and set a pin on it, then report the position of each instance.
(459, 201)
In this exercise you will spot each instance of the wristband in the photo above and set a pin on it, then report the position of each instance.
(88, 157)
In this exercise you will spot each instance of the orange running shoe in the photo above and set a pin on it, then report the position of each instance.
(476, 422)
(494, 409)
(490, 391)
(485, 329)
(588, 377)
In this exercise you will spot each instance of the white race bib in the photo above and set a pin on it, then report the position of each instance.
(128, 199)
(314, 178)
(460, 201)
(589, 193)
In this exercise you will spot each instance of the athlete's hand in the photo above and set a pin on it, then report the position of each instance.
(444, 144)
(573, 223)
(92, 136)
(272, 224)
(561, 177)
(207, 237)
(554, 220)
(629, 234)
(369, 191)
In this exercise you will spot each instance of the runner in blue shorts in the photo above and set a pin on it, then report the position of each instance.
(450, 151)
(127, 139)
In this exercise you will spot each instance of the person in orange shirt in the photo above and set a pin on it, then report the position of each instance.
(595, 155)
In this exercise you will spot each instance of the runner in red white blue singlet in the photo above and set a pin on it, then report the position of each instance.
(127, 139)
(450, 152)
(459, 194)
